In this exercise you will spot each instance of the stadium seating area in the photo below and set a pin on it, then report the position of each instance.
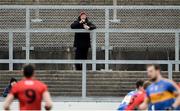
(57, 45)
(100, 83)
(93, 2)
(124, 44)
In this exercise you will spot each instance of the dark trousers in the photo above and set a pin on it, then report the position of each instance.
(81, 54)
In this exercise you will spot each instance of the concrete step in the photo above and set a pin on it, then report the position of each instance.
(66, 93)
(91, 2)
(89, 73)
(99, 83)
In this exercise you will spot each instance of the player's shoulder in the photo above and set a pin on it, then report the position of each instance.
(151, 85)
(168, 81)
(19, 82)
(18, 85)
(39, 82)
(41, 86)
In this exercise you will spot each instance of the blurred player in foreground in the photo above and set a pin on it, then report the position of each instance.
(29, 92)
(128, 98)
(163, 93)
(138, 98)
(6, 91)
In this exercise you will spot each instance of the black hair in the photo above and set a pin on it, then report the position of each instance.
(139, 83)
(12, 80)
(28, 70)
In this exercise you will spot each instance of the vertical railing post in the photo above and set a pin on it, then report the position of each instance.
(106, 38)
(170, 72)
(114, 10)
(84, 80)
(27, 33)
(177, 50)
(11, 51)
(94, 50)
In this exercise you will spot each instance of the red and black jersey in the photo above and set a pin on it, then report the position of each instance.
(29, 93)
(136, 100)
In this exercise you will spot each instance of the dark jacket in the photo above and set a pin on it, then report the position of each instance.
(6, 90)
(82, 40)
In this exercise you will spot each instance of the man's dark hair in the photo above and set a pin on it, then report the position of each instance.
(156, 66)
(12, 80)
(139, 83)
(28, 70)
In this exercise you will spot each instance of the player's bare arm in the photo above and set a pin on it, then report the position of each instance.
(177, 93)
(8, 101)
(48, 100)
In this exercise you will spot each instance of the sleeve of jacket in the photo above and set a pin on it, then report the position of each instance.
(75, 25)
(92, 26)
(5, 92)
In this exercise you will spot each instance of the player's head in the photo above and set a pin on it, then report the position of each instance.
(28, 70)
(146, 84)
(153, 71)
(83, 15)
(139, 84)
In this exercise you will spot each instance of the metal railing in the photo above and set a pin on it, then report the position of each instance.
(106, 30)
(93, 33)
(86, 62)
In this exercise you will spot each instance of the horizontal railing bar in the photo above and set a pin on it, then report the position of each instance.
(91, 61)
(46, 30)
(87, 7)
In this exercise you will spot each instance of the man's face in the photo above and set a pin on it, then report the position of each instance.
(13, 83)
(152, 73)
(141, 88)
(83, 16)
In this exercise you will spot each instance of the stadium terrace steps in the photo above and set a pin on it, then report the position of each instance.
(138, 19)
(93, 2)
(99, 83)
